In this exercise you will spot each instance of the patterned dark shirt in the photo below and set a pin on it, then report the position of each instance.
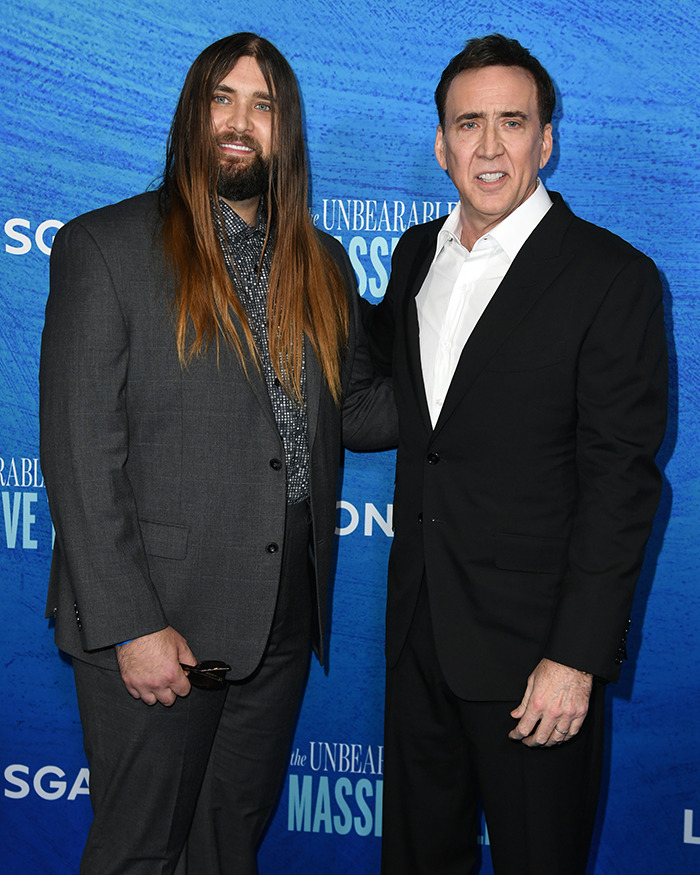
(251, 280)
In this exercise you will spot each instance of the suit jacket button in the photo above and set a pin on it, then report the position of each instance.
(433, 458)
(272, 548)
(420, 517)
(275, 464)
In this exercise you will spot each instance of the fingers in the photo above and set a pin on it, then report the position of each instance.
(150, 667)
(559, 735)
(153, 686)
(178, 686)
(153, 695)
(554, 706)
(550, 725)
(546, 731)
(532, 729)
(522, 707)
(543, 736)
(184, 654)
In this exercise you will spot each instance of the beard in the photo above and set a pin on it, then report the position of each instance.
(242, 179)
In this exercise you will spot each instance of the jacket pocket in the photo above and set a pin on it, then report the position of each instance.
(164, 540)
(529, 553)
(527, 359)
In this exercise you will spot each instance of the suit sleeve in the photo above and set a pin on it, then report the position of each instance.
(379, 320)
(369, 417)
(84, 429)
(621, 403)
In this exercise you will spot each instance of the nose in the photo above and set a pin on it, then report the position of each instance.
(238, 118)
(490, 145)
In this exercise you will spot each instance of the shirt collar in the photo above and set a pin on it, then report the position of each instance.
(512, 232)
(237, 228)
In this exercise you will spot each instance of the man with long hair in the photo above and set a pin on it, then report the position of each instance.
(202, 364)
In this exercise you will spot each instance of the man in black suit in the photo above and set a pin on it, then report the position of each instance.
(528, 354)
(201, 365)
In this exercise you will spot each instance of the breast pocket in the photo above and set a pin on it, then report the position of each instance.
(530, 359)
(529, 553)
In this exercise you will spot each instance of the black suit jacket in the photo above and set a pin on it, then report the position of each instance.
(166, 484)
(530, 503)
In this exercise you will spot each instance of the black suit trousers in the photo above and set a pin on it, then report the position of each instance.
(445, 757)
(209, 768)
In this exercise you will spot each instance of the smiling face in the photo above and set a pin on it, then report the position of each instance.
(491, 145)
(241, 117)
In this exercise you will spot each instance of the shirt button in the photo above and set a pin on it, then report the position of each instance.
(433, 458)
(272, 548)
(275, 464)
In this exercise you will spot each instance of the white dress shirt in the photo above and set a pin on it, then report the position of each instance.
(459, 286)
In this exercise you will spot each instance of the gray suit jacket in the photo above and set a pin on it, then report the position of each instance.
(165, 484)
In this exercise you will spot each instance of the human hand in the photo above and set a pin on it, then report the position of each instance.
(150, 666)
(554, 705)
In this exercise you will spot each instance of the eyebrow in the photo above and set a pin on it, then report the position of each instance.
(258, 95)
(512, 113)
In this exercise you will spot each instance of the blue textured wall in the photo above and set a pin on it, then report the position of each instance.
(86, 96)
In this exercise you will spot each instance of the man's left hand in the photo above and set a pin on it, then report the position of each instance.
(554, 706)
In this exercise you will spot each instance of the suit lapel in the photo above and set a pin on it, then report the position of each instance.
(313, 389)
(415, 279)
(536, 266)
(256, 381)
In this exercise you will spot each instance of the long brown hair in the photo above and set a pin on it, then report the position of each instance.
(307, 294)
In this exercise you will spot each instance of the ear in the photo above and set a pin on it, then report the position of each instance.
(547, 145)
(440, 148)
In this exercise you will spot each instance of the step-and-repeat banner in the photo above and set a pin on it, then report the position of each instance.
(88, 90)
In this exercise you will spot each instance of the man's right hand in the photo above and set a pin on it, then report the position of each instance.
(150, 666)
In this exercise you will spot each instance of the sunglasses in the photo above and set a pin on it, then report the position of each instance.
(209, 675)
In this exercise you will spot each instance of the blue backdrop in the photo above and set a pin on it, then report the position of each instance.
(87, 93)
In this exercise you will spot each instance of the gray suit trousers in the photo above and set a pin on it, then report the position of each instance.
(203, 775)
